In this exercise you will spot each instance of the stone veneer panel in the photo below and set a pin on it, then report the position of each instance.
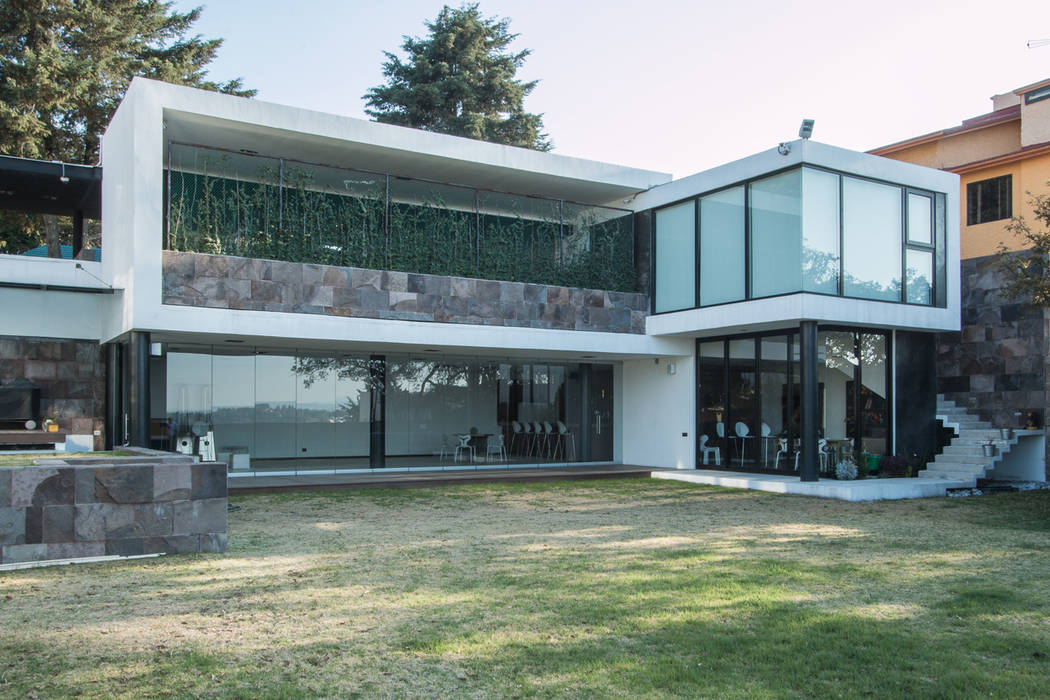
(71, 375)
(61, 510)
(997, 364)
(223, 282)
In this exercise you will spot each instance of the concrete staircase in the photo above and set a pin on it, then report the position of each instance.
(963, 459)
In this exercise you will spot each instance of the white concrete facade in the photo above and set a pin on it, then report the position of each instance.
(655, 408)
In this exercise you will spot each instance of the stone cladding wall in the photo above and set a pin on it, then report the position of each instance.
(71, 375)
(94, 507)
(997, 365)
(224, 282)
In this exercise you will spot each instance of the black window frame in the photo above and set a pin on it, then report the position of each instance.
(976, 193)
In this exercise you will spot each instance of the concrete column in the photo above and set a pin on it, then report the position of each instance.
(809, 467)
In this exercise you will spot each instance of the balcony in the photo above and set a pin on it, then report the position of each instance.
(253, 206)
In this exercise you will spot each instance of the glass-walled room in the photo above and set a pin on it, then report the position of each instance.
(282, 410)
(749, 400)
(806, 229)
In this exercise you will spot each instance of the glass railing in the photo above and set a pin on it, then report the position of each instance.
(260, 207)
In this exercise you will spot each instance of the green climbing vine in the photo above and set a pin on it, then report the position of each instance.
(290, 211)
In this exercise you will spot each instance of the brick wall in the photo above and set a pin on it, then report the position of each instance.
(224, 282)
(88, 508)
(71, 375)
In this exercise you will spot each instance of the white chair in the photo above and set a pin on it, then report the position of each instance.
(494, 446)
(705, 451)
(529, 440)
(767, 435)
(464, 446)
(743, 435)
(515, 436)
(445, 449)
(537, 430)
(550, 436)
(822, 453)
(784, 451)
(565, 438)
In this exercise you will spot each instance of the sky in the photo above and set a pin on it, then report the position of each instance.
(675, 87)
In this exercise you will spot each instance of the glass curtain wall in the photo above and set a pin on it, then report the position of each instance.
(314, 410)
(803, 230)
(756, 424)
(722, 247)
(675, 256)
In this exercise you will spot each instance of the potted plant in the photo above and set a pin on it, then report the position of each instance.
(50, 424)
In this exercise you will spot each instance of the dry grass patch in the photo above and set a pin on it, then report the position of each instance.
(619, 588)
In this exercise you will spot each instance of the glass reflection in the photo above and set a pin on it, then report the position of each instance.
(675, 245)
(872, 240)
(722, 254)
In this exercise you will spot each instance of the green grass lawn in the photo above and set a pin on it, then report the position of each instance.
(633, 588)
(22, 459)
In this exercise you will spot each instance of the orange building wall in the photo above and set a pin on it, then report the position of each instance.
(1030, 177)
(967, 147)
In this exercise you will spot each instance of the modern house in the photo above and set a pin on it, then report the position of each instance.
(997, 365)
(321, 292)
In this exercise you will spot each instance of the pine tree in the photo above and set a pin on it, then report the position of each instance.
(460, 80)
(66, 64)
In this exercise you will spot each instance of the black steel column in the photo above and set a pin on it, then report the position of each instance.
(586, 419)
(78, 232)
(377, 411)
(807, 342)
(138, 389)
(114, 393)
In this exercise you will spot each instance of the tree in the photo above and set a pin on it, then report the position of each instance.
(66, 64)
(460, 80)
(1024, 272)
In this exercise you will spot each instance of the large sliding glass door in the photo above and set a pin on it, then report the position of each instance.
(749, 398)
(312, 410)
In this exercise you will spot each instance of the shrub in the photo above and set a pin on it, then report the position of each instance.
(846, 470)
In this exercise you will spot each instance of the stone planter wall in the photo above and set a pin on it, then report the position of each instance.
(225, 282)
(71, 375)
(89, 508)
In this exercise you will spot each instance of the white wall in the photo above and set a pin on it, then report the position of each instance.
(657, 408)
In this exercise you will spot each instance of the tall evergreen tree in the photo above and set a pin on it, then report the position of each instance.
(460, 80)
(66, 64)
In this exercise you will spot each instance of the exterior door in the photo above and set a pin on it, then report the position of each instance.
(601, 413)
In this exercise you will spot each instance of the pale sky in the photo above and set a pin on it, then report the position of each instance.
(676, 87)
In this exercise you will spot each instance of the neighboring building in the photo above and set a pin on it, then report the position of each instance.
(1002, 159)
(327, 292)
(997, 366)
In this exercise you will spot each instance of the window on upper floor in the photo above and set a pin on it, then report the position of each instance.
(803, 229)
(989, 200)
(1037, 94)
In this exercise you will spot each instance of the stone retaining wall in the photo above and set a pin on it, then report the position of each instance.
(71, 375)
(225, 282)
(86, 508)
(997, 365)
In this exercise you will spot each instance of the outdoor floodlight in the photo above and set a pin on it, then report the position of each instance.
(806, 130)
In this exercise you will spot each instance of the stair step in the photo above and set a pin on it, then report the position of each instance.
(983, 434)
(937, 474)
(963, 458)
(975, 449)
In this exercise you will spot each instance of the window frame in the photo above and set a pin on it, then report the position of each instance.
(973, 212)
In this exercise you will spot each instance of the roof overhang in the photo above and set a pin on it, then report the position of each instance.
(50, 187)
(237, 124)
